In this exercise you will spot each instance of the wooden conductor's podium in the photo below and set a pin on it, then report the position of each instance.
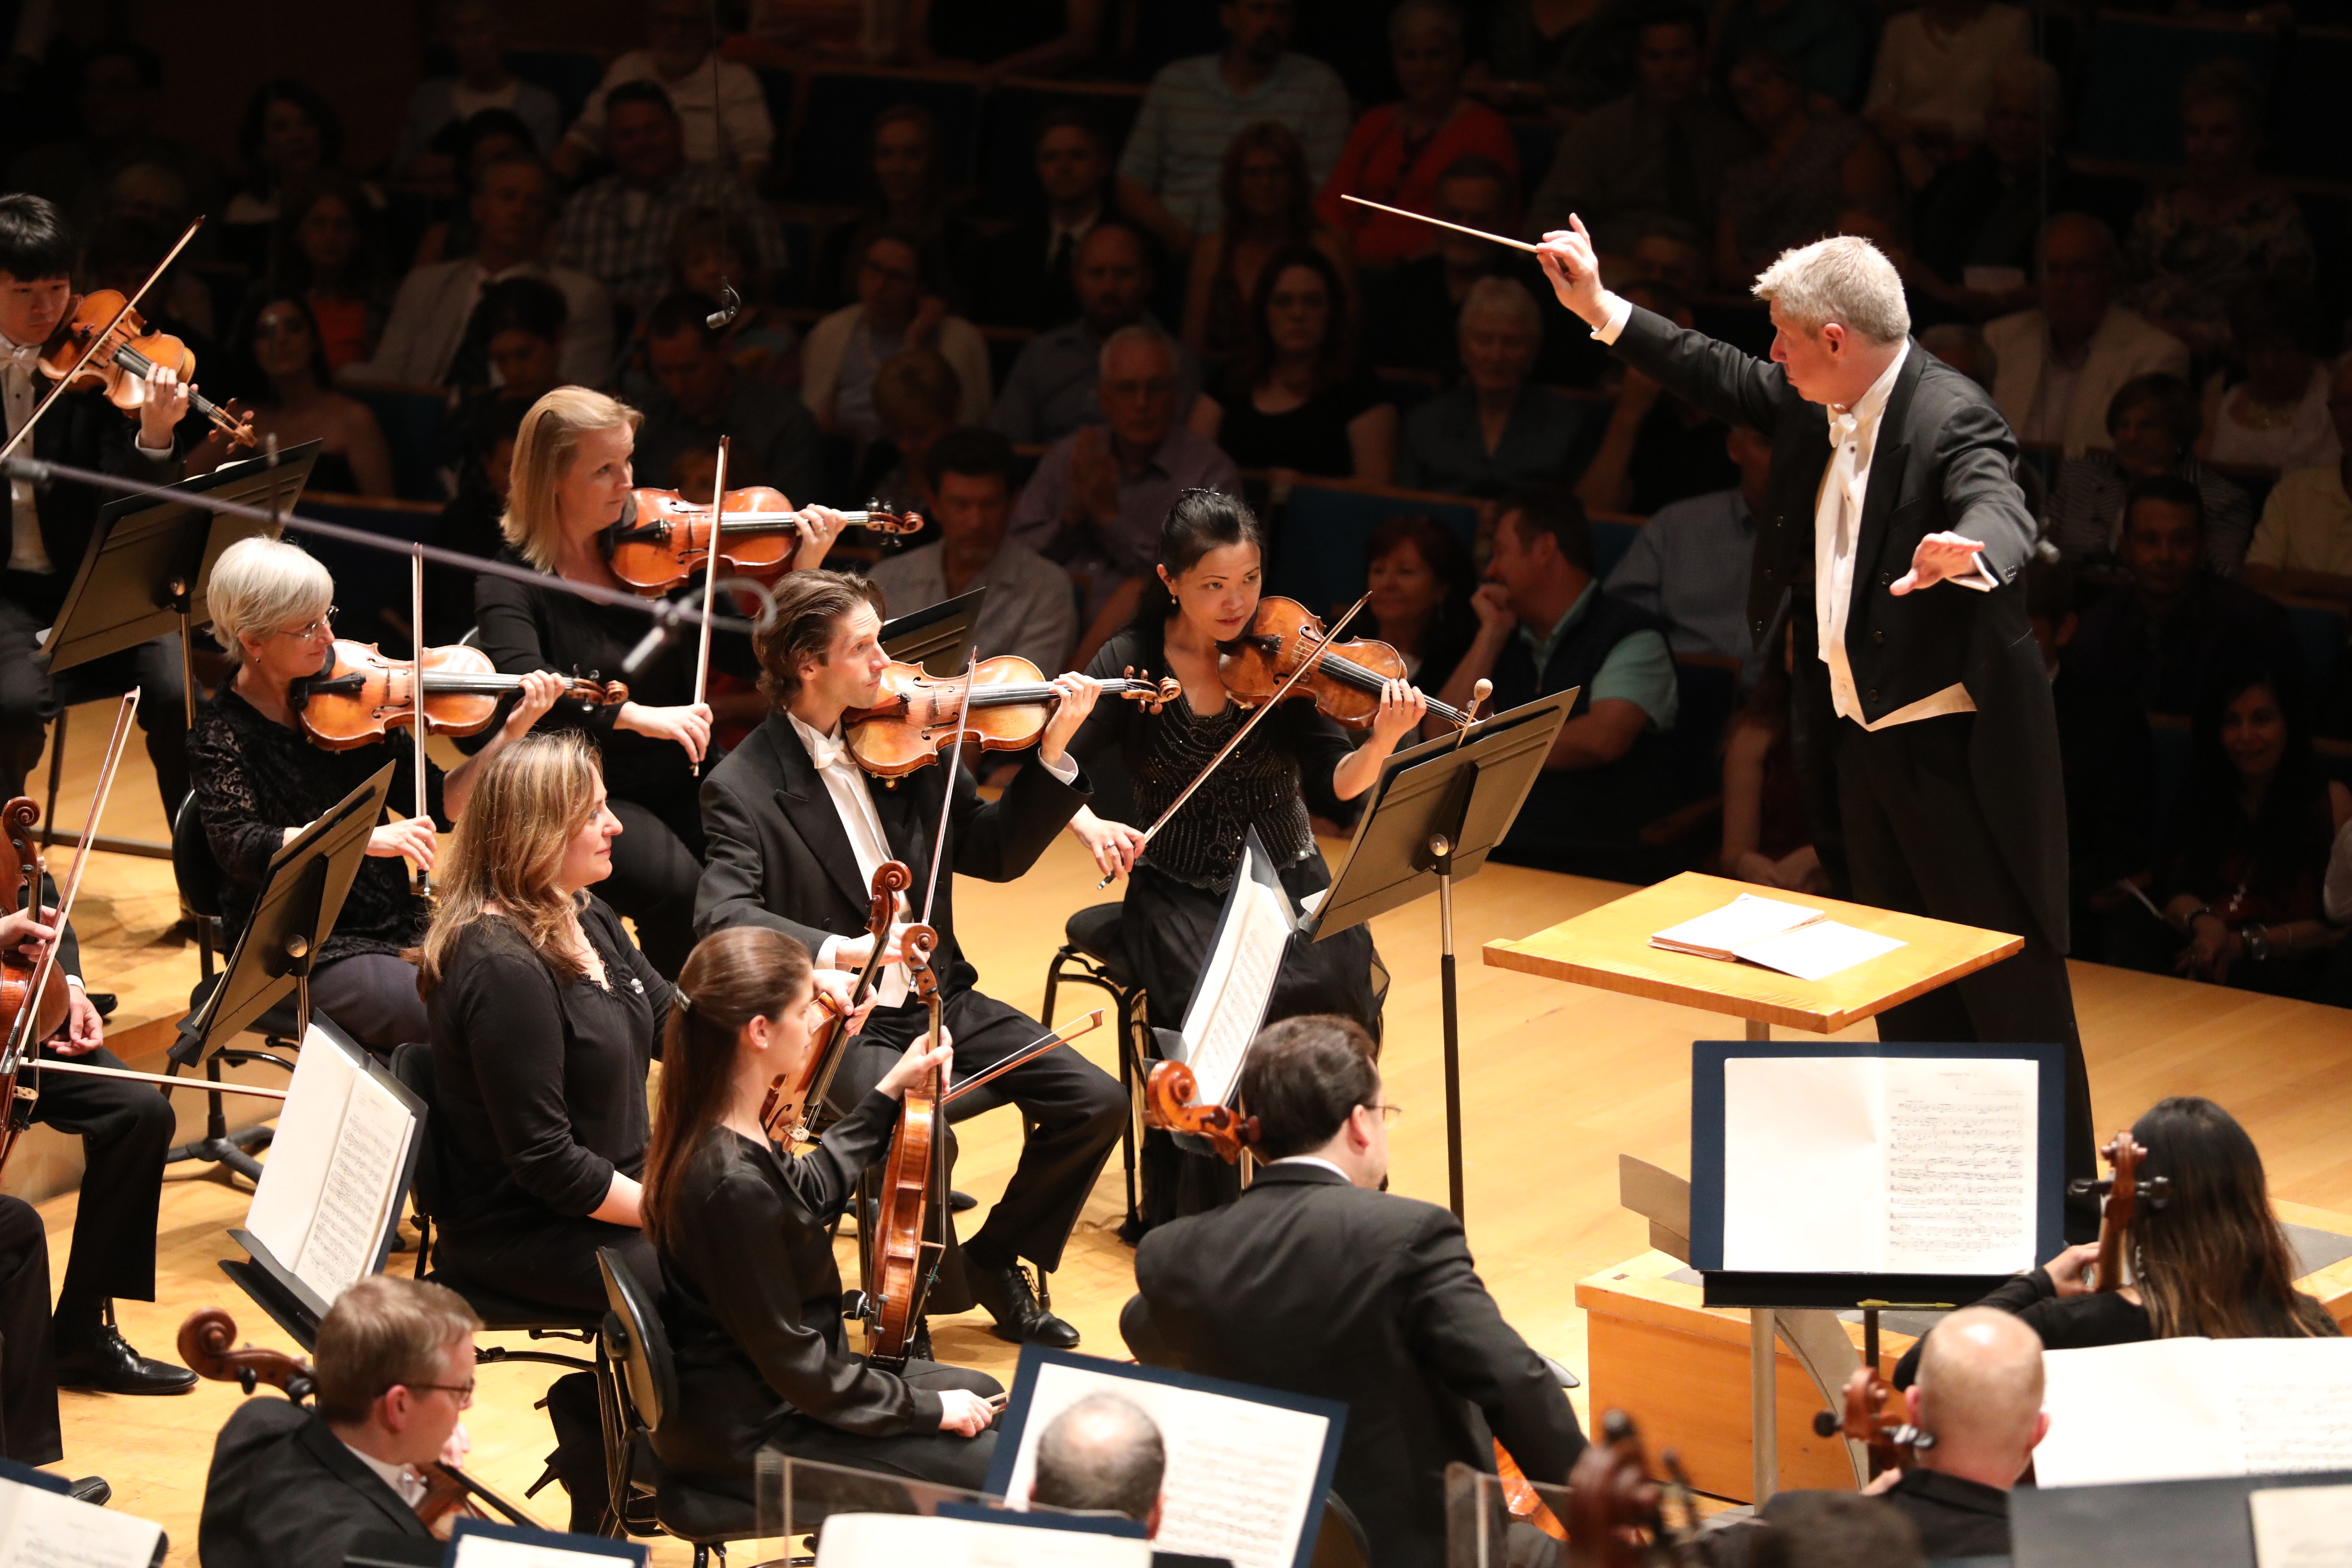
(1610, 948)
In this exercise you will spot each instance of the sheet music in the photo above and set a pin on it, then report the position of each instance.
(1240, 1475)
(1818, 951)
(2184, 1408)
(1235, 984)
(47, 1529)
(895, 1541)
(358, 1191)
(2302, 1527)
(1959, 1165)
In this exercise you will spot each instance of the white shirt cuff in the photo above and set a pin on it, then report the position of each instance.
(1981, 579)
(1621, 310)
(828, 955)
(152, 454)
(1066, 770)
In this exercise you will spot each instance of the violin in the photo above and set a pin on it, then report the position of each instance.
(1344, 677)
(910, 1232)
(109, 343)
(1011, 702)
(1168, 1091)
(790, 1099)
(208, 1345)
(20, 889)
(359, 693)
(664, 539)
(1617, 1509)
(2124, 1192)
(1893, 1442)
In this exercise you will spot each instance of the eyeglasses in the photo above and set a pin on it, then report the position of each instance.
(1389, 1109)
(462, 1392)
(312, 628)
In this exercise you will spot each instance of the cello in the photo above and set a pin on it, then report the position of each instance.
(911, 1228)
(208, 1345)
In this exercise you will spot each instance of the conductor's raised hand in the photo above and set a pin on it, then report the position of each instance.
(920, 1058)
(1573, 265)
(1401, 712)
(1077, 693)
(1938, 556)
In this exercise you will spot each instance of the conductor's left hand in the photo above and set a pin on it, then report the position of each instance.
(1939, 555)
(1077, 694)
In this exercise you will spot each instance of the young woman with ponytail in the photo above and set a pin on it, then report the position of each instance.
(740, 1225)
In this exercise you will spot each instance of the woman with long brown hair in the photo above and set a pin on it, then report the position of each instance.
(1295, 396)
(742, 1226)
(1269, 202)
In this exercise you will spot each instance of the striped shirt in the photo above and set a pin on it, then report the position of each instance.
(1191, 114)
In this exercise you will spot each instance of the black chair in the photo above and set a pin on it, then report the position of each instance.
(638, 1347)
(1092, 953)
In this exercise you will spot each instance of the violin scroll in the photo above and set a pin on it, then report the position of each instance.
(1894, 1442)
(1140, 690)
(2124, 1190)
(20, 888)
(1168, 1104)
(1616, 1509)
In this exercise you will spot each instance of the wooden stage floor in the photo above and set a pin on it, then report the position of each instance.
(1558, 1082)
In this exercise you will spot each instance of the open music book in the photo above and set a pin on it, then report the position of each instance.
(895, 1541)
(2178, 1409)
(41, 1526)
(1791, 938)
(489, 1544)
(1238, 980)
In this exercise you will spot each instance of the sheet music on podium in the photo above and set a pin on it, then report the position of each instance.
(337, 1169)
(42, 1527)
(2180, 1409)
(1237, 982)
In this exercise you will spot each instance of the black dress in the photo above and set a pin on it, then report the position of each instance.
(540, 1099)
(1312, 438)
(753, 1310)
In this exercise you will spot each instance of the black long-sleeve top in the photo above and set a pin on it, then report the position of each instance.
(753, 1306)
(254, 778)
(541, 1080)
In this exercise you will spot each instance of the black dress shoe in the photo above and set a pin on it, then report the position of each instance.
(91, 1489)
(109, 1365)
(961, 1202)
(919, 1347)
(1011, 1301)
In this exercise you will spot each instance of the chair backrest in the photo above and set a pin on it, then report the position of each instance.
(198, 875)
(412, 1064)
(636, 1338)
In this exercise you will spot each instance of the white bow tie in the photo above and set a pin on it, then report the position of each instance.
(826, 751)
(1843, 427)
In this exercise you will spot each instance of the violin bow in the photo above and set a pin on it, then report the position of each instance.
(948, 764)
(100, 341)
(1441, 222)
(416, 701)
(1304, 664)
(711, 584)
(1052, 1039)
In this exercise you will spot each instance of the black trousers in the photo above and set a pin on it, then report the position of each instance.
(371, 998)
(126, 1129)
(1917, 842)
(30, 696)
(657, 864)
(29, 1356)
(548, 1260)
(1072, 1107)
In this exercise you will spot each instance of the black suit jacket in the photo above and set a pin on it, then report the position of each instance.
(1310, 1284)
(778, 855)
(85, 431)
(284, 1492)
(1944, 461)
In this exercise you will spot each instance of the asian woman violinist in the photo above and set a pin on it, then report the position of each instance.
(259, 780)
(739, 1224)
(571, 483)
(2212, 1262)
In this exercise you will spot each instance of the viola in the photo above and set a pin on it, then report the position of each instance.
(792, 1098)
(2124, 1190)
(1344, 677)
(20, 888)
(1893, 1442)
(110, 343)
(910, 1232)
(1011, 702)
(208, 1345)
(664, 539)
(359, 694)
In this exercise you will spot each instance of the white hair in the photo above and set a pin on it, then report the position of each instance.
(1844, 278)
(1504, 297)
(259, 585)
(1147, 334)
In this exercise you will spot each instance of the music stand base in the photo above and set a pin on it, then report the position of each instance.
(231, 1153)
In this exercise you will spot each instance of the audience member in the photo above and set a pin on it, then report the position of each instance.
(1495, 432)
(1964, 348)
(1050, 390)
(708, 255)
(513, 347)
(1816, 163)
(1545, 624)
(1420, 579)
(918, 398)
(1029, 610)
(618, 230)
(1023, 37)
(1097, 498)
(1398, 150)
(1269, 205)
(722, 113)
(2277, 416)
(1565, 55)
(1028, 281)
(1169, 174)
(289, 134)
(894, 310)
(1671, 252)
(2152, 425)
(1768, 832)
(324, 252)
(1931, 80)
(1973, 227)
(123, 252)
(473, 31)
(1296, 398)
(1688, 566)
(905, 193)
(120, 86)
(702, 397)
(2198, 244)
(1659, 152)
(514, 209)
(2308, 521)
(469, 522)
(1826, 42)
(284, 379)
(2160, 640)
(471, 145)
(2061, 365)
(1656, 449)
(1102, 1455)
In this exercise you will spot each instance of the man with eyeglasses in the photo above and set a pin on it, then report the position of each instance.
(1316, 1281)
(293, 1486)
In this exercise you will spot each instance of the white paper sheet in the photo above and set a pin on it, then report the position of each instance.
(1879, 1165)
(2184, 1408)
(1235, 986)
(2302, 1527)
(1818, 951)
(330, 1181)
(1240, 1478)
(903, 1541)
(46, 1529)
(1746, 919)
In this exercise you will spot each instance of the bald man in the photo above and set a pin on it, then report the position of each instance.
(1103, 1455)
(1980, 1392)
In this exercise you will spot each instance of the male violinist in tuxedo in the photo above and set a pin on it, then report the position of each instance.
(795, 831)
(1894, 540)
(1316, 1281)
(49, 526)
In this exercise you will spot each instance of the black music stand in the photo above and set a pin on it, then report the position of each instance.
(938, 636)
(145, 575)
(1432, 817)
(309, 880)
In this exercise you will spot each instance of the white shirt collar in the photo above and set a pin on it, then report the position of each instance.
(1865, 413)
(1315, 1160)
(825, 751)
(404, 1485)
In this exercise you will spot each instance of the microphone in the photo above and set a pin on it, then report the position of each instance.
(655, 643)
(730, 306)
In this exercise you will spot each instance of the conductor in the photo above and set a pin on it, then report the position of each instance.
(1894, 537)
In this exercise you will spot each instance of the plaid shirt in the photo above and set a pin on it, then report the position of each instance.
(630, 251)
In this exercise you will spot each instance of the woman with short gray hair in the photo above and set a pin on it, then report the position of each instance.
(1495, 433)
